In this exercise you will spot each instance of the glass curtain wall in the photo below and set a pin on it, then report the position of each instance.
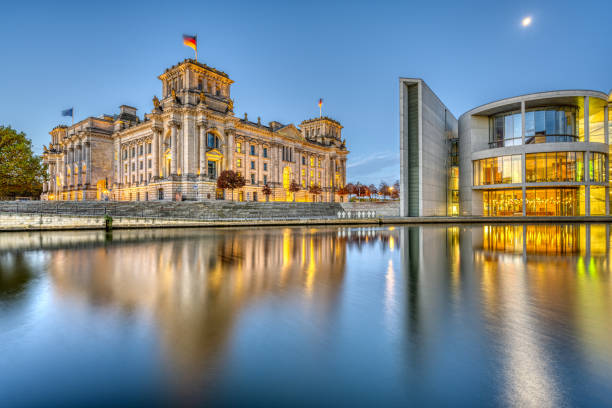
(505, 130)
(554, 167)
(550, 125)
(596, 121)
(555, 201)
(502, 203)
(598, 200)
(498, 170)
(597, 167)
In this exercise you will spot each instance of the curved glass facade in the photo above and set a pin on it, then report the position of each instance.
(551, 125)
(498, 170)
(539, 202)
(597, 167)
(554, 167)
(554, 124)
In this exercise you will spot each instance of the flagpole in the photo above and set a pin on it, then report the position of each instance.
(196, 47)
(72, 116)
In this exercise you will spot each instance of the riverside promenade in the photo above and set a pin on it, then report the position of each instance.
(68, 215)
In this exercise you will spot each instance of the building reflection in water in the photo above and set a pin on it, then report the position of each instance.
(195, 284)
(534, 285)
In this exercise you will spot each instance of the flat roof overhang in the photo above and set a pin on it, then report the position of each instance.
(540, 99)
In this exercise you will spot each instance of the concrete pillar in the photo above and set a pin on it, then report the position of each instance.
(524, 175)
(523, 128)
(173, 148)
(586, 118)
(606, 125)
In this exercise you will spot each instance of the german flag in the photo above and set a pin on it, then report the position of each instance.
(191, 41)
(320, 103)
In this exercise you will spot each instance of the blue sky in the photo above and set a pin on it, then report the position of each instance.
(286, 55)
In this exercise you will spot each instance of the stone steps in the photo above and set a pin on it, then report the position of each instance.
(194, 210)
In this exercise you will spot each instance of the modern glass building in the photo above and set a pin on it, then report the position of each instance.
(543, 154)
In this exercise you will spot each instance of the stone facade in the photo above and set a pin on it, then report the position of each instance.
(189, 138)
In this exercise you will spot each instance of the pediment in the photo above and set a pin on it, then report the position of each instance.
(214, 154)
(291, 132)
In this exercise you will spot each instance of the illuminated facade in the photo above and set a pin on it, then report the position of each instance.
(543, 154)
(180, 148)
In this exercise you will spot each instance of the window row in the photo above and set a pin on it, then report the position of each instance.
(140, 150)
(554, 167)
(557, 124)
(498, 170)
(539, 167)
(252, 150)
(239, 164)
(544, 202)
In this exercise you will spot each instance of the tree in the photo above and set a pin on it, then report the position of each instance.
(384, 189)
(229, 179)
(350, 189)
(21, 171)
(396, 190)
(294, 188)
(315, 190)
(372, 190)
(361, 190)
(342, 191)
(266, 190)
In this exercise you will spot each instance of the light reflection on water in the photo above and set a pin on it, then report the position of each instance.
(435, 315)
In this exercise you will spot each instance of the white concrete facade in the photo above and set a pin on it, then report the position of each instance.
(426, 159)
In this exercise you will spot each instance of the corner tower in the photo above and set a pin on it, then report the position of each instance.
(323, 130)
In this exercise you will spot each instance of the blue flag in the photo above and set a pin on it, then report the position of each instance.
(68, 112)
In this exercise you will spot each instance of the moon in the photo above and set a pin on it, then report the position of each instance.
(526, 21)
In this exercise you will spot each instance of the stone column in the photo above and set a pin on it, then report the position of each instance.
(173, 148)
(230, 134)
(202, 150)
(88, 174)
(155, 154)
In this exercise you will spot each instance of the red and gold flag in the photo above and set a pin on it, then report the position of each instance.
(191, 41)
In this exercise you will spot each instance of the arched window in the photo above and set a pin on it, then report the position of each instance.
(212, 141)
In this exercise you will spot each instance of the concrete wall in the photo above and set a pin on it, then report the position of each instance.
(383, 209)
(436, 125)
(473, 137)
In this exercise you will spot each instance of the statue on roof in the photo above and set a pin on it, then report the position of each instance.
(230, 106)
(202, 98)
(155, 102)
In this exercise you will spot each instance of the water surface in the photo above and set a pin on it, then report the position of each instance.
(390, 316)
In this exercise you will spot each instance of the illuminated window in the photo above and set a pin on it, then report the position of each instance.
(238, 147)
(238, 163)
